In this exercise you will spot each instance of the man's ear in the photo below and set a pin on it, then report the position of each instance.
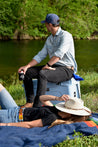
(50, 24)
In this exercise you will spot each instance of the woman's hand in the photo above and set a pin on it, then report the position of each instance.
(64, 97)
(58, 122)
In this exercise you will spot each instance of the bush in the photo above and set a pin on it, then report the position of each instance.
(77, 17)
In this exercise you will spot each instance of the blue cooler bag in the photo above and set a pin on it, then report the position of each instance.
(70, 87)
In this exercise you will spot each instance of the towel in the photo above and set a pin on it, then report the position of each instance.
(42, 136)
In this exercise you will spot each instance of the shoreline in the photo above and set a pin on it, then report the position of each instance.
(28, 37)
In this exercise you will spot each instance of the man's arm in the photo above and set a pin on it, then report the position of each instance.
(30, 64)
(45, 99)
(52, 61)
(36, 59)
(29, 124)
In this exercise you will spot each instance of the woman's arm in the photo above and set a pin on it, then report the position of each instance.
(28, 124)
(45, 99)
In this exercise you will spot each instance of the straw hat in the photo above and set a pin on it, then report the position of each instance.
(74, 106)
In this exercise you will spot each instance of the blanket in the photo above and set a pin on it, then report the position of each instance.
(44, 137)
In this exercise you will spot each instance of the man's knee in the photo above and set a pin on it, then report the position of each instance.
(28, 71)
(43, 74)
(28, 74)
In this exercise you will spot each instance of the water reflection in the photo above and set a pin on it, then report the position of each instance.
(86, 53)
(14, 54)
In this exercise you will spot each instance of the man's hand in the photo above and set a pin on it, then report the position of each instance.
(24, 68)
(47, 67)
(30, 64)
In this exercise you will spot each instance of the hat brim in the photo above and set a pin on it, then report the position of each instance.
(43, 21)
(82, 112)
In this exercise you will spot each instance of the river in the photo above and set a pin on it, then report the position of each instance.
(14, 54)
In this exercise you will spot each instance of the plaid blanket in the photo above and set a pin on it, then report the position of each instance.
(44, 137)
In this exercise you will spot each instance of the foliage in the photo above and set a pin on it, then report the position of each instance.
(81, 17)
(35, 12)
(84, 141)
(78, 17)
(9, 16)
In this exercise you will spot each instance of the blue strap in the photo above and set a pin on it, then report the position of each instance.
(77, 78)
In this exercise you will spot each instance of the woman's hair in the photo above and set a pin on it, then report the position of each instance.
(72, 119)
(76, 118)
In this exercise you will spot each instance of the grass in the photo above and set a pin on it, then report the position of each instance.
(89, 93)
(85, 141)
(89, 89)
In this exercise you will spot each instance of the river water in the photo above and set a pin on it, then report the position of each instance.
(14, 54)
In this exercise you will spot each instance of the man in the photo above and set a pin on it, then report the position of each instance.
(61, 66)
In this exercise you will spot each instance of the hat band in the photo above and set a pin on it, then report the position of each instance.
(73, 108)
(78, 109)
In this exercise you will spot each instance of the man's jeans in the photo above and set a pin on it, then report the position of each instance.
(61, 73)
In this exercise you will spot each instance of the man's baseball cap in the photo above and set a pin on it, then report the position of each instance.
(52, 18)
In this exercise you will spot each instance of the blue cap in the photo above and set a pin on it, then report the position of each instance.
(52, 18)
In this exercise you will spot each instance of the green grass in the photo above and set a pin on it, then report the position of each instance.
(89, 89)
(89, 93)
(90, 141)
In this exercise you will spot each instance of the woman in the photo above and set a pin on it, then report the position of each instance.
(72, 110)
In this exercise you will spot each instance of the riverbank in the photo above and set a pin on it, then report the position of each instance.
(94, 36)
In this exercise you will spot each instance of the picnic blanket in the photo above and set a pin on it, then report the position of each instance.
(44, 137)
